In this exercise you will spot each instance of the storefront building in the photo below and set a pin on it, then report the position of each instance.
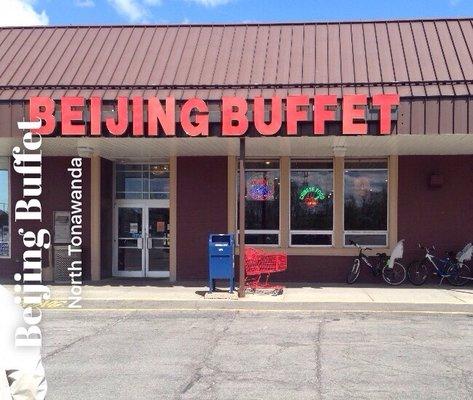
(366, 134)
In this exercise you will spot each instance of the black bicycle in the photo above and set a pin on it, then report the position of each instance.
(392, 271)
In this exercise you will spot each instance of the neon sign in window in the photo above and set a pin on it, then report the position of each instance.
(311, 203)
(311, 196)
(261, 202)
(260, 189)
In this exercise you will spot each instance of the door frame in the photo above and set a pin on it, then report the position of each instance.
(145, 205)
(148, 273)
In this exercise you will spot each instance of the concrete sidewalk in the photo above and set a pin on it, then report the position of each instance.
(118, 294)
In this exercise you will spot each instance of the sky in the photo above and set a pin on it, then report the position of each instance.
(79, 12)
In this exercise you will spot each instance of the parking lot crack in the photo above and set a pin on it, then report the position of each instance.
(85, 337)
(205, 364)
(318, 357)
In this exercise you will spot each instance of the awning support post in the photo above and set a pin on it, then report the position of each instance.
(241, 216)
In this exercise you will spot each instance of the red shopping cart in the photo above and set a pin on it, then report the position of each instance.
(259, 265)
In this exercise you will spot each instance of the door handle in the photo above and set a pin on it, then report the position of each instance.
(139, 243)
(150, 243)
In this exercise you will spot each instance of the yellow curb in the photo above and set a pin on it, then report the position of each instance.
(51, 304)
(429, 312)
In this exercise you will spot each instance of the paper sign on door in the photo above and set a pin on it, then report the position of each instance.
(160, 226)
(134, 227)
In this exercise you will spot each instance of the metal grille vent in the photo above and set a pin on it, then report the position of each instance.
(62, 261)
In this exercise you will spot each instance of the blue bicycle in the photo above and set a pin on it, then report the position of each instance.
(456, 272)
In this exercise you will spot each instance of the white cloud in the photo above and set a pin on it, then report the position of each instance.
(210, 3)
(84, 3)
(139, 11)
(21, 13)
(133, 10)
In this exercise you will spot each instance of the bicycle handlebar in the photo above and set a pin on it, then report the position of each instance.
(360, 247)
(421, 246)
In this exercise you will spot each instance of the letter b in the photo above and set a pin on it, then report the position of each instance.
(30, 337)
(28, 211)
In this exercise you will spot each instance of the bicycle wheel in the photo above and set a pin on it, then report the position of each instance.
(395, 275)
(354, 272)
(417, 273)
(459, 274)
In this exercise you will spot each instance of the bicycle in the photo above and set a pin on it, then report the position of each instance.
(456, 272)
(393, 272)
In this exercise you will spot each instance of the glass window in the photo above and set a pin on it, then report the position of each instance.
(261, 202)
(4, 210)
(366, 202)
(311, 203)
(128, 181)
(142, 181)
(159, 181)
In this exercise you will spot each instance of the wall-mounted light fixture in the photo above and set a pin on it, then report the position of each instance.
(436, 180)
(339, 151)
(85, 151)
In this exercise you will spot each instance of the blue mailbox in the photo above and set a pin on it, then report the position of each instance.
(221, 260)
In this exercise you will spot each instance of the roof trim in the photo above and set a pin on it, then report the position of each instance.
(262, 23)
(236, 86)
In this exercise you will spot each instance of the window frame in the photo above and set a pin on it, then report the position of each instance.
(388, 199)
(318, 231)
(8, 169)
(143, 192)
(237, 188)
(339, 163)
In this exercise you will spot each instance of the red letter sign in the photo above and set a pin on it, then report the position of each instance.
(95, 116)
(137, 107)
(234, 110)
(272, 127)
(385, 102)
(43, 108)
(321, 113)
(350, 113)
(167, 118)
(201, 125)
(294, 114)
(118, 128)
(69, 114)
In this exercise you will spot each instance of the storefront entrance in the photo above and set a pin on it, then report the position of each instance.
(142, 239)
(141, 228)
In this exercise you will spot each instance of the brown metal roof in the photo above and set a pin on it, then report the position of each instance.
(416, 58)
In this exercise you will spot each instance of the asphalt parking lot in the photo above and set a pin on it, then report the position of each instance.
(245, 354)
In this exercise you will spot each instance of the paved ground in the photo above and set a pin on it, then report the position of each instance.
(157, 294)
(297, 293)
(244, 354)
(155, 340)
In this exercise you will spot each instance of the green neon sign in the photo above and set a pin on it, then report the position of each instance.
(316, 192)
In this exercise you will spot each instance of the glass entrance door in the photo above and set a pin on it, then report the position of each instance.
(157, 242)
(130, 260)
(142, 239)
